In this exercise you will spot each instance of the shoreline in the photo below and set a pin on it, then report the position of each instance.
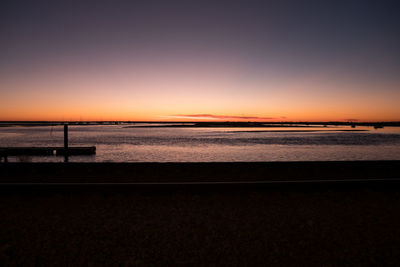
(208, 124)
(200, 172)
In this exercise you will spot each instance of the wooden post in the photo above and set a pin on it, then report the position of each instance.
(65, 142)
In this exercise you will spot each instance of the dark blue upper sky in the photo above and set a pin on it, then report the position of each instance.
(353, 34)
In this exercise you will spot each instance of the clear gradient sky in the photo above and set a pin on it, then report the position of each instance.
(200, 60)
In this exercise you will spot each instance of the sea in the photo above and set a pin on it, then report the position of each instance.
(142, 142)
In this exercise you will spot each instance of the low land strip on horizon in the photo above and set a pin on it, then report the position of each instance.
(202, 123)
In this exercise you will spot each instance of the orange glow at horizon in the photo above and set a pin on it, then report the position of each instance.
(175, 93)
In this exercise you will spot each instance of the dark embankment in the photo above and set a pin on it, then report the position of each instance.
(278, 225)
(324, 227)
(198, 172)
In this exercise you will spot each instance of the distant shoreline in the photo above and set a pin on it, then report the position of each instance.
(227, 124)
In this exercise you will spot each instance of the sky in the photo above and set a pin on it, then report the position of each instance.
(200, 60)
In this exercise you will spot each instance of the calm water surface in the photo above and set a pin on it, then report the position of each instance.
(116, 143)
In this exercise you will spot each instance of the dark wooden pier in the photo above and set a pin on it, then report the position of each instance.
(65, 151)
(46, 151)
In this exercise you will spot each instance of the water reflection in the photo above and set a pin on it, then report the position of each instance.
(118, 144)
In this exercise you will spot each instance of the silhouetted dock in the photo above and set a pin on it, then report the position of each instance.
(45, 151)
(65, 151)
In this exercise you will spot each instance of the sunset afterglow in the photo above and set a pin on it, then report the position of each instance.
(185, 62)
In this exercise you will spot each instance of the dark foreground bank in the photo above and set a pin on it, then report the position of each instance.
(329, 224)
(209, 172)
(321, 227)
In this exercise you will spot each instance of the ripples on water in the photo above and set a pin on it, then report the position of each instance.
(118, 144)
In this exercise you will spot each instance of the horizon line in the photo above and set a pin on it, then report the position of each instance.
(202, 121)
